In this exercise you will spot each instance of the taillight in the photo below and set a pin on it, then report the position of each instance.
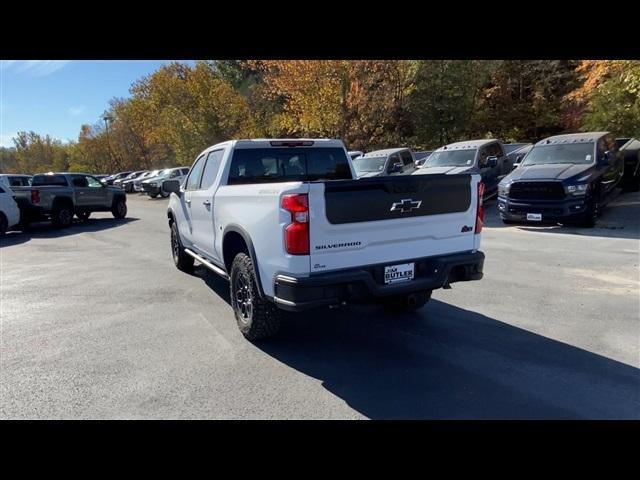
(480, 209)
(35, 197)
(296, 234)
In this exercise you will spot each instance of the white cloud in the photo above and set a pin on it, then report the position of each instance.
(34, 68)
(76, 109)
(5, 139)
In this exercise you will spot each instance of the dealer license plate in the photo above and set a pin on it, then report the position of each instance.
(399, 273)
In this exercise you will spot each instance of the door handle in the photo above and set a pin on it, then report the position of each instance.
(188, 202)
(207, 203)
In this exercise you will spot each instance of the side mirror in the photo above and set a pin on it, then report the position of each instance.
(171, 186)
(518, 160)
(492, 162)
(606, 158)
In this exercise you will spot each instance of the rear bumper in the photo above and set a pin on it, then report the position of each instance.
(367, 284)
(517, 210)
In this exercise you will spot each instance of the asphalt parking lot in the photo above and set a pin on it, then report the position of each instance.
(98, 323)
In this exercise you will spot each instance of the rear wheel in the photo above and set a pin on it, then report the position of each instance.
(410, 302)
(257, 318)
(119, 209)
(181, 259)
(153, 195)
(164, 194)
(62, 216)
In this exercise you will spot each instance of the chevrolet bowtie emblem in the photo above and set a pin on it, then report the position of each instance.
(406, 205)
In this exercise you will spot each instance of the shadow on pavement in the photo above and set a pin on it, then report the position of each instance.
(449, 363)
(46, 230)
(216, 283)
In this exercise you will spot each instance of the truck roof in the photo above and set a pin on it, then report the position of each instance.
(267, 142)
(385, 152)
(467, 144)
(586, 137)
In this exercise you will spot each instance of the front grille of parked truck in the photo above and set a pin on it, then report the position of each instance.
(536, 191)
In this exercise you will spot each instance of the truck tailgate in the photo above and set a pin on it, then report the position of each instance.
(388, 219)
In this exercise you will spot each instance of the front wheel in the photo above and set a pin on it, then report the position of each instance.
(591, 215)
(119, 209)
(181, 259)
(164, 194)
(257, 318)
(153, 195)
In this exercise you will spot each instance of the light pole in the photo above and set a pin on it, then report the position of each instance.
(108, 118)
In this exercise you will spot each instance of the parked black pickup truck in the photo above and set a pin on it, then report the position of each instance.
(565, 179)
(60, 196)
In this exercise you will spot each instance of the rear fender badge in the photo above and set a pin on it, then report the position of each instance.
(466, 228)
(406, 205)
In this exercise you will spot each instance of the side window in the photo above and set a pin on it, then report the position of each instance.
(193, 180)
(497, 150)
(184, 171)
(395, 158)
(406, 158)
(602, 147)
(93, 183)
(211, 169)
(482, 157)
(80, 182)
(175, 174)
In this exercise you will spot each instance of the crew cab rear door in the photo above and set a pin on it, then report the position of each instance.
(391, 219)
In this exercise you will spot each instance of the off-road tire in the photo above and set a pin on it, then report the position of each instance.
(181, 259)
(62, 215)
(119, 209)
(257, 317)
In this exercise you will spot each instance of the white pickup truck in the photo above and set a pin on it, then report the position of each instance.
(286, 223)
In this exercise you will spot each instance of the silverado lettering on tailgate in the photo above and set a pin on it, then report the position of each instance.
(338, 245)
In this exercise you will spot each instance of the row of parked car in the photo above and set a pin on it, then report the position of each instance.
(145, 181)
(564, 178)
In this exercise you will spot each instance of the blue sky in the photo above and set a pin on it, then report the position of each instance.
(56, 97)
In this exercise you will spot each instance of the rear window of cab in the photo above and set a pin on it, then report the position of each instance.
(272, 165)
(43, 180)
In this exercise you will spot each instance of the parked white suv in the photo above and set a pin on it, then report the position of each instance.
(9, 211)
(287, 224)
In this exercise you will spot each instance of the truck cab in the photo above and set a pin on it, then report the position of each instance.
(487, 157)
(563, 179)
(392, 161)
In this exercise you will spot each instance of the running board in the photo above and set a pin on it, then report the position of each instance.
(209, 265)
